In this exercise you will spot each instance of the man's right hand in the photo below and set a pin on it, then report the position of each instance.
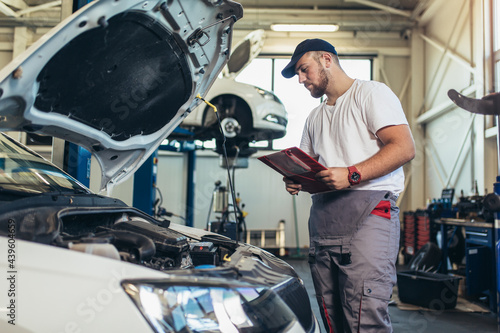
(292, 187)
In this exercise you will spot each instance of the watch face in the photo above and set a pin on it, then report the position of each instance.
(355, 177)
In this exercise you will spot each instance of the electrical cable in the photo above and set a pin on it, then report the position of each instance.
(242, 218)
(235, 160)
(158, 207)
(233, 196)
(159, 193)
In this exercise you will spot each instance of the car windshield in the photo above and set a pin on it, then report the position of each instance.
(23, 172)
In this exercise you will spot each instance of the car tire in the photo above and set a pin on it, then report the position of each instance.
(228, 106)
(427, 258)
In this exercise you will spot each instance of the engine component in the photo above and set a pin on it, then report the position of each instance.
(165, 240)
(204, 253)
(103, 250)
(172, 248)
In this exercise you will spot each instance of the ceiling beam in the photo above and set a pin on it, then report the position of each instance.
(6, 10)
(39, 7)
(17, 4)
(348, 20)
(322, 14)
(431, 11)
(385, 8)
(419, 9)
(33, 22)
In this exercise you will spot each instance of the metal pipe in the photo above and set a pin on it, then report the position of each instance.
(385, 8)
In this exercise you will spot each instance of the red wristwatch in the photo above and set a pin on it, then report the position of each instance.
(354, 176)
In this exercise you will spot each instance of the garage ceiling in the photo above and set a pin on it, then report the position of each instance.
(30, 13)
(369, 25)
(365, 26)
(350, 15)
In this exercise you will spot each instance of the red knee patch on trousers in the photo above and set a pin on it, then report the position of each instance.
(383, 209)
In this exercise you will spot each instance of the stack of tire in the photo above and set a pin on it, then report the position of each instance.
(423, 229)
(409, 235)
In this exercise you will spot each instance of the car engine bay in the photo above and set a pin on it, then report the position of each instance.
(111, 229)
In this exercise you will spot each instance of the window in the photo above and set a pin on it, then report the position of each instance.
(266, 73)
(257, 73)
(496, 25)
(496, 46)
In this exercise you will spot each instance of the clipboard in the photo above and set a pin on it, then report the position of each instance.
(295, 164)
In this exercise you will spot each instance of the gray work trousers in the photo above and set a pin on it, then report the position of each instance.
(354, 270)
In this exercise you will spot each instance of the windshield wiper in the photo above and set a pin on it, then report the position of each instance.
(66, 191)
(77, 191)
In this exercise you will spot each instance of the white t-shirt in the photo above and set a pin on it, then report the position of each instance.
(344, 134)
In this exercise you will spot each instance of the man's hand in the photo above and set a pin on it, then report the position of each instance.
(292, 187)
(335, 178)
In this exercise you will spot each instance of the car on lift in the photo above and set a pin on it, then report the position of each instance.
(248, 113)
(116, 78)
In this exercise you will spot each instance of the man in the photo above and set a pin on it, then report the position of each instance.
(360, 133)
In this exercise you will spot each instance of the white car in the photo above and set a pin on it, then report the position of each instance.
(248, 113)
(117, 77)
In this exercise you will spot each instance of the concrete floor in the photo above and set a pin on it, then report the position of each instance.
(404, 321)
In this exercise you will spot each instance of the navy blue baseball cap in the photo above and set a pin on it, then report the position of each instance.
(301, 49)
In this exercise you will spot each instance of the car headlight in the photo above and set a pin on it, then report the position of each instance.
(210, 307)
(272, 118)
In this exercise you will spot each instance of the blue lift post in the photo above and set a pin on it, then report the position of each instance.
(77, 163)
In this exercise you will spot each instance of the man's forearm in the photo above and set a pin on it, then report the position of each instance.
(389, 158)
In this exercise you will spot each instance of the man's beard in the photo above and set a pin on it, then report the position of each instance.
(318, 91)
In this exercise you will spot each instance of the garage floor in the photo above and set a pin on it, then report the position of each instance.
(406, 321)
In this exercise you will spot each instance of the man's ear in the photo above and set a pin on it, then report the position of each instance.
(327, 58)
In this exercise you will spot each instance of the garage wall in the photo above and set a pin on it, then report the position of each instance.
(454, 144)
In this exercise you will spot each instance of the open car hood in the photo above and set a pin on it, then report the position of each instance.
(118, 76)
(244, 52)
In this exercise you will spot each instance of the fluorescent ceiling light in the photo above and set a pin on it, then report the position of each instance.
(305, 27)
